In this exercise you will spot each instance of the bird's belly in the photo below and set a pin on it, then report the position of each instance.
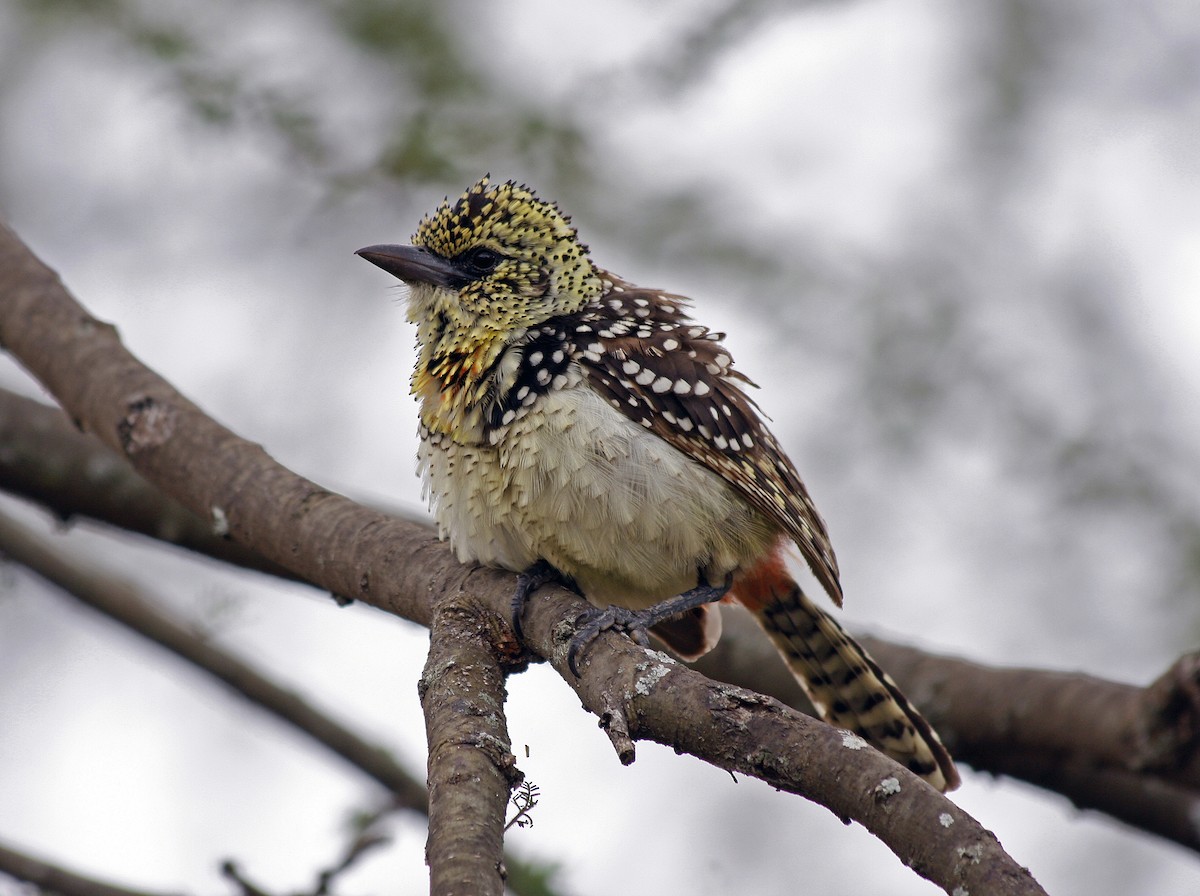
(630, 518)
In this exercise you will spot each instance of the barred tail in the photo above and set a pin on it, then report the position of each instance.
(845, 685)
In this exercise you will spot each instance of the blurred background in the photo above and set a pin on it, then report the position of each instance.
(958, 245)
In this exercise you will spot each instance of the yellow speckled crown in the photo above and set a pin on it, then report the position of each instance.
(544, 267)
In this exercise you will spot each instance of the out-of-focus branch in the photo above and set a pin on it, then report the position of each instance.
(47, 460)
(1066, 717)
(1137, 799)
(1130, 752)
(400, 568)
(123, 601)
(56, 879)
(472, 770)
(1094, 746)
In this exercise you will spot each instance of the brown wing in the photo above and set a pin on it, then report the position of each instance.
(674, 377)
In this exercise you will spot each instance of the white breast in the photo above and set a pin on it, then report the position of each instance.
(600, 497)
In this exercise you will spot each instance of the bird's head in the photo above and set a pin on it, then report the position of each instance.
(483, 271)
(495, 261)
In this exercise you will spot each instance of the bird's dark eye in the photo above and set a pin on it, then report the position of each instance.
(481, 260)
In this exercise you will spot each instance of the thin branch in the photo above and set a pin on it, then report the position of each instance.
(367, 837)
(124, 601)
(399, 568)
(472, 770)
(56, 879)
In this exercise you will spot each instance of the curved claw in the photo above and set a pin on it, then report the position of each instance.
(636, 623)
(632, 622)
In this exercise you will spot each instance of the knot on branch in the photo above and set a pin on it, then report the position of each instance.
(147, 424)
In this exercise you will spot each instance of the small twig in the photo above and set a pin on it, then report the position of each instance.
(231, 872)
(367, 837)
(523, 800)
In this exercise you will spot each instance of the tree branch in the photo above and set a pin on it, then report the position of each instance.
(49, 461)
(472, 770)
(398, 567)
(123, 601)
(1153, 730)
(1014, 722)
(55, 879)
(640, 694)
(244, 494)
(34, 434)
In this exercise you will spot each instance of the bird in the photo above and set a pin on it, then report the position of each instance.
(579, 428)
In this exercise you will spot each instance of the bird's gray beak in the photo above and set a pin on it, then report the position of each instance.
(413, 264)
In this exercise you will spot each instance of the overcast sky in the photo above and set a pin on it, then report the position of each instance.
(963, 242)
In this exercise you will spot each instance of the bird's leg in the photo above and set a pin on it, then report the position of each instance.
(635, 623)
(539, 574)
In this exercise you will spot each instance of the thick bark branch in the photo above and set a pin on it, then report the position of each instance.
(1015, 722)
(320, 536)
(641, 694)
(47, 460)
(400, 568)
(472, 770)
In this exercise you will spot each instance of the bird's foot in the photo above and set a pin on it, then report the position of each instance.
(636, 623)
(597, 620)
(539, 574)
